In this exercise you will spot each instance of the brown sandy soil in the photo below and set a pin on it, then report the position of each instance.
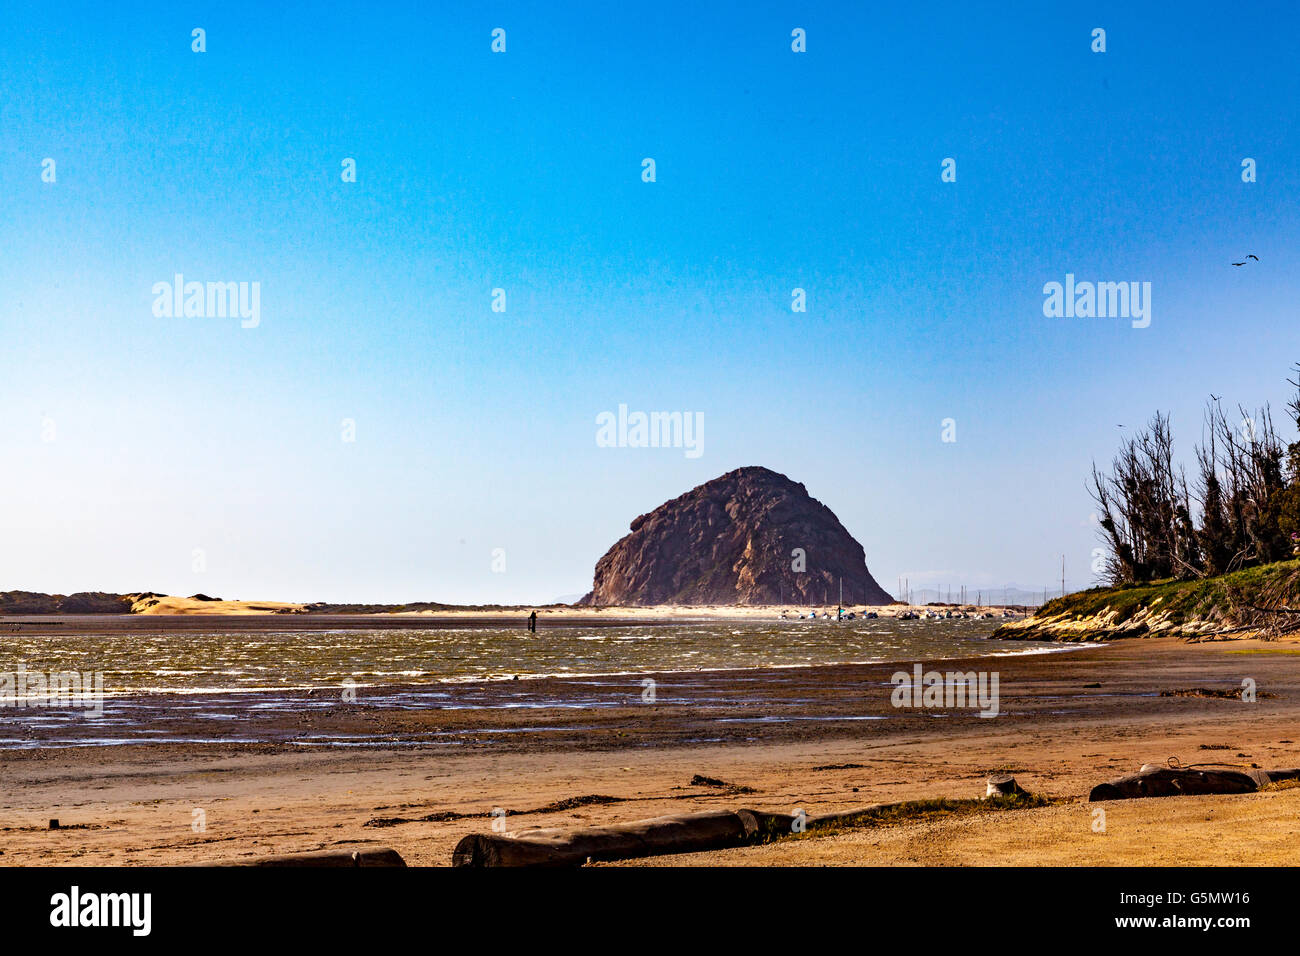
(1256, 829)
(134, 804)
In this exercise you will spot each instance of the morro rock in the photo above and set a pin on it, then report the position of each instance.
(751, 536)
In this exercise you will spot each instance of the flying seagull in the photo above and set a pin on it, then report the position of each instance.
(1243, 261)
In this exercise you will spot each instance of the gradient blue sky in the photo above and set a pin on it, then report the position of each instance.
(476, 430)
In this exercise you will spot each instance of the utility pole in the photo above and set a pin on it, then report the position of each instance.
(1062, 575)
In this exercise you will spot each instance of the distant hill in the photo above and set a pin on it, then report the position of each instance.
(1010, 594)
(751, 536)
(82, 602)
(20, 603)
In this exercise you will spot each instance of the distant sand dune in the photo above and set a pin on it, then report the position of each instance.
(167, 604)
(157, 604)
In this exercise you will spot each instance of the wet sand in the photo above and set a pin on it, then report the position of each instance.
(824, 738)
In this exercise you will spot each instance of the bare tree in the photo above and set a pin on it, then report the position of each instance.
(1145, 509)
(1247, 493)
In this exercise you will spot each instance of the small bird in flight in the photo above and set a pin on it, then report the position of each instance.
(1243, 261)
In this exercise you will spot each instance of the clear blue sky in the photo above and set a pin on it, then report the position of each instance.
(475, 430)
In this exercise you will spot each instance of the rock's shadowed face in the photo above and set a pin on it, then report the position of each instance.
(751, 536)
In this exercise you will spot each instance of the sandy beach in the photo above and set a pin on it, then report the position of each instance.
(559, 751)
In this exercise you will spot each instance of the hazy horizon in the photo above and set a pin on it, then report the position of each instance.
(133, 440)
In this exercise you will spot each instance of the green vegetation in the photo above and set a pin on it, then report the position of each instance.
(1241, 510)
(1224, 599)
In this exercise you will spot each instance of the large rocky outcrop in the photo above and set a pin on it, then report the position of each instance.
(733, 540)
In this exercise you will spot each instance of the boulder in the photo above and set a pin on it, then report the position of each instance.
(751, 536)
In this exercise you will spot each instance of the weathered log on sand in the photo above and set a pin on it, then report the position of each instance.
(1004, 786)
(377, 856)
(685, 833)
(1155, 780)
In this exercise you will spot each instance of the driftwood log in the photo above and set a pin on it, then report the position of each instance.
(686, 833)
(1157, 780)
(378, 856)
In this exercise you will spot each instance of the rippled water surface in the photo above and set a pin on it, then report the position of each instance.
(287, 660)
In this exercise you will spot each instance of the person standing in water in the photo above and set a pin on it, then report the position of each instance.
(532, 622)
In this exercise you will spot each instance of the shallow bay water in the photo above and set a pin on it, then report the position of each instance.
(287, 686)
(220, 662)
